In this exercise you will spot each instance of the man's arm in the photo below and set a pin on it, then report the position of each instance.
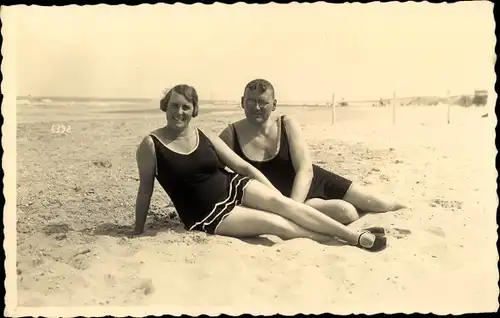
(300, 158)
(228, 137)
(236, 163)
(146, 162)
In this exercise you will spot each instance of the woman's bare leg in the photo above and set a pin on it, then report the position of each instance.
(339, 210)
(366, 201)
(245, 222)
(259, 196)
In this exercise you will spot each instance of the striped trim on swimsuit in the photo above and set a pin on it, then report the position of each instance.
(222, 209)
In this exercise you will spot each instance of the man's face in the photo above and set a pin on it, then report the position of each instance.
(258, 105)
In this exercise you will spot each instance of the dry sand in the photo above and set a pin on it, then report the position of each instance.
(76, 195)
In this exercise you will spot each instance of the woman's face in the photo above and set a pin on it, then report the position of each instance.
(179, 111)
(258, 105)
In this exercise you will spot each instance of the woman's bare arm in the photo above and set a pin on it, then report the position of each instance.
(301, 160)
(236, 163)
(146, 162)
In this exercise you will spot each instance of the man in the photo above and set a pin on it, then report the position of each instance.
(275, 146)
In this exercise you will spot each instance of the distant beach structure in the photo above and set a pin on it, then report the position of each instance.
(342, 103)
(480, 97)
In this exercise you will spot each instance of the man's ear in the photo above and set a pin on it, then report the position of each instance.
(241, 102)
(275, 102)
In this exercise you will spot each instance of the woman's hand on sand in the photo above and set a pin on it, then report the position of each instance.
(134, 233)
(399, 206)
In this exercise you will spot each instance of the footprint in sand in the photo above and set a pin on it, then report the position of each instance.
(436, 231)
(383, 177)
(398, 233)
(80, 262)
(146, 286)
(447, 204)
(58, 231)
(140, 290)
(80, 259)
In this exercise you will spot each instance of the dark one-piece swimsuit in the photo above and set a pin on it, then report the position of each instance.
(279, 170)
(203, 192)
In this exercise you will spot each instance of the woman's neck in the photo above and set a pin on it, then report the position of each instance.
(176, 133)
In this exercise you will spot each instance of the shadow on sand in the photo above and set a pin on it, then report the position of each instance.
(174, 225)
(166, 220)
(162, 225)
(260, 240)
(171, 223)
(265, 241)
(158, 225)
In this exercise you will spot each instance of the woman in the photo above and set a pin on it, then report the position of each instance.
(276, 148)
(190, 166)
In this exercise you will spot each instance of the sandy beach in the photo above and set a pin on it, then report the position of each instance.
(76, 195)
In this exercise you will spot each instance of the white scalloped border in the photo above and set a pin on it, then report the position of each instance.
(8, 85)
(9, 156)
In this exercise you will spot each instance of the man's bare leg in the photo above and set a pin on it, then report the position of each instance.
(339, 210)
(365, 201)
(260, 197)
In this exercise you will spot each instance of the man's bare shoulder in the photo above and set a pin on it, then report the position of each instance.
(291, 120)
(228, 130)
(238, 123)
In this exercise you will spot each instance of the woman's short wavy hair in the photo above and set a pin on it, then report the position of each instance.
(185, 90)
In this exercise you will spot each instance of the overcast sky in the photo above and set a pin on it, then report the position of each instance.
(307, 51)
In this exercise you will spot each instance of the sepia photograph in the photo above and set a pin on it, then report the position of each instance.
(261, 159)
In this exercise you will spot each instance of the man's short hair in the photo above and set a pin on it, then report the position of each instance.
(260, 85)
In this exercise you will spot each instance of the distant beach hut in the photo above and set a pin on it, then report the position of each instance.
(480, 98)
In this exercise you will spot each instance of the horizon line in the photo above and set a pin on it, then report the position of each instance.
(149, 99)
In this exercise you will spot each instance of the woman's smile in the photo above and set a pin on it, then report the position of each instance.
(179, 118)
